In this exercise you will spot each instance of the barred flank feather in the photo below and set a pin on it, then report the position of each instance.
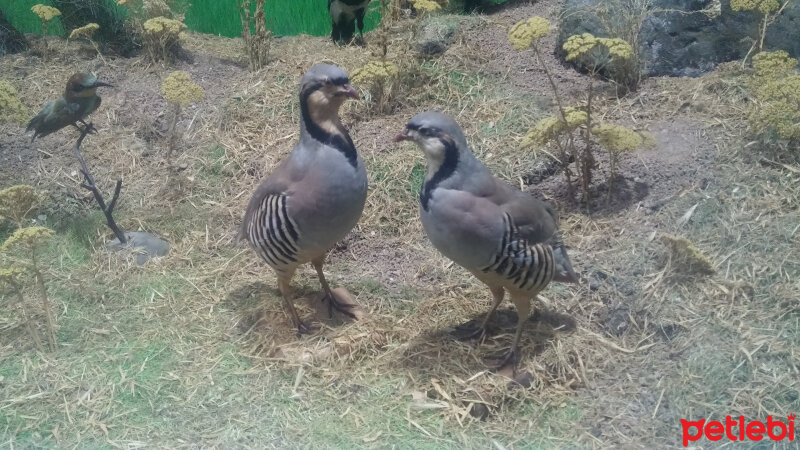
(273, 234)
(528, 267)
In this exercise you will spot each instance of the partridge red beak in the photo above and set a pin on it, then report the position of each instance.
(350, 91)
(401, 136)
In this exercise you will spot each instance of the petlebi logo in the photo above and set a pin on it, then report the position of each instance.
(738, 429)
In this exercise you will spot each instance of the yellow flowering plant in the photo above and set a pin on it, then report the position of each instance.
(18, 203)
(162, 37)
(179, 88)
(11, 108)
(87, 32)
(45, 14)
(525, 32)
(776, 87)
(180, 91)
(769, 10)
(574, 125)
(379, 75)
(426, 6)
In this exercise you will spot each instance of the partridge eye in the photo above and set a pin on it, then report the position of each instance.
(426, 131)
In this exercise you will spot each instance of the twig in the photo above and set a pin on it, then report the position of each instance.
(108, 210)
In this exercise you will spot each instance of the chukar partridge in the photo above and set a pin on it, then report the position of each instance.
(506, 238)
(316, 195)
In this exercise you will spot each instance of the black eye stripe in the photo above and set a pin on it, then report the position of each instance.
(340, 81)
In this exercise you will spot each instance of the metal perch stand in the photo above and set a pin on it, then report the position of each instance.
(89, 184)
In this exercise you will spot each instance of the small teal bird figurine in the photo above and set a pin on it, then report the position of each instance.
(79, 100)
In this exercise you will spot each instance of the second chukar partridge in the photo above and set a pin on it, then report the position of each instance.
(316, 195)
(508, 239)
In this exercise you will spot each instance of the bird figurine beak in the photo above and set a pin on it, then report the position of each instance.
(401, 136)
(100, 83)
(350, 91)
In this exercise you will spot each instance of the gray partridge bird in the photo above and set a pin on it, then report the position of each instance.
(316, 195)
(79, 100)
(506, 238)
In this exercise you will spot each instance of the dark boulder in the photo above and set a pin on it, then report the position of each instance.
(11, 40)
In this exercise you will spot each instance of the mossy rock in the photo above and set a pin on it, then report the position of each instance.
(436, 34)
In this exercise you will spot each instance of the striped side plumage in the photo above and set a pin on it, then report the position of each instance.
(273, 233)
(528, 267)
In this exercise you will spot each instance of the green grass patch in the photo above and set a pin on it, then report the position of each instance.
(218, 17)
(19, 14)
(416, 178)
(284, 18)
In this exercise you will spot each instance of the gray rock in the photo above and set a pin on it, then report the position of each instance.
(680, 44)
(143, 245)
(435, 35)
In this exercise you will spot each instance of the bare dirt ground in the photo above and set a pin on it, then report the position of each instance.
(194, 349)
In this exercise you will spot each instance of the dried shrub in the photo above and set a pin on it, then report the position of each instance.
(18, 203)
(11, 284)
(685, 258)
(257, 38)
(23, 249)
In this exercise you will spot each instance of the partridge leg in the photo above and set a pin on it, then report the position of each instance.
(333, 302)
(286, 292)
(523, 305)
(360, 22)
(497, 294)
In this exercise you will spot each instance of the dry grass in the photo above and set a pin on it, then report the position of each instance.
(195, 349)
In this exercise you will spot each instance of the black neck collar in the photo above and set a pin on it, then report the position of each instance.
(444, 172)
(342, 143)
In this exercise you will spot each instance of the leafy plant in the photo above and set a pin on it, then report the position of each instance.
(573, 130)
